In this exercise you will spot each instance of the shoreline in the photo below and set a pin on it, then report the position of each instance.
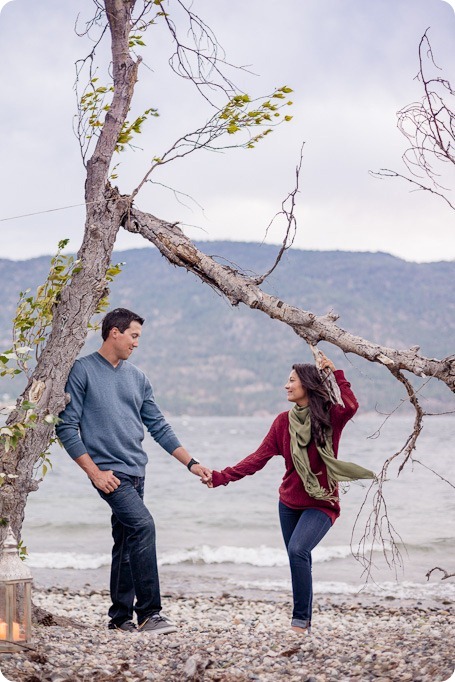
(233, 639)
(194, 580)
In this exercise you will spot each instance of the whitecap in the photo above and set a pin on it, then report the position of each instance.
(72, 560)
(254, 556)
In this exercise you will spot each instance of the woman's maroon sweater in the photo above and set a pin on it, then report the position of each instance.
(278, 442)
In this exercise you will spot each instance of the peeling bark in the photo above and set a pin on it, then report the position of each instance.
(239, 288)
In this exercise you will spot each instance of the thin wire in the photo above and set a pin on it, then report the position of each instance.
(50, 210)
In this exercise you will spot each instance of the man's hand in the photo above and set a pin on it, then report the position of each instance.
(204, 474)
(197, 469)
(208, 481)
(105, 481)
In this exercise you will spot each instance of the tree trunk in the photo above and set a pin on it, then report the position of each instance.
(105, 209)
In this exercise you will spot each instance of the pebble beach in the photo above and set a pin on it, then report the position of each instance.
(231, 639)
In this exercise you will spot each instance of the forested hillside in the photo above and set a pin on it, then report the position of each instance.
(205, 357)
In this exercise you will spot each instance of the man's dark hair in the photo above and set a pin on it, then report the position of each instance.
(120, 318)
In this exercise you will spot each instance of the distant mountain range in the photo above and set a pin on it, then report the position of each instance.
(206, 358)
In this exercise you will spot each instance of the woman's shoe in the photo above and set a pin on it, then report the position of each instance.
(301, 626)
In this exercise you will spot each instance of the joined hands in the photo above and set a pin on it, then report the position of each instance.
(204, 474)
(208, 481)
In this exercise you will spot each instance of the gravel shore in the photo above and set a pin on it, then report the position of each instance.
(231, 639)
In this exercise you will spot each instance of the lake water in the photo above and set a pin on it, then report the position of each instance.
(229, 539)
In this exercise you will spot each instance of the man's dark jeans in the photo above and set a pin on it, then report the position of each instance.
(302, 530)
(134, 570)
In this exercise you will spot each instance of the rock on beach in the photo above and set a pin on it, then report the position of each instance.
(230, 639)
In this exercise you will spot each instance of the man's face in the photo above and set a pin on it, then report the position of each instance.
(125, 343)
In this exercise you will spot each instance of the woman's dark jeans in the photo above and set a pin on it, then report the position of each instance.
(134, 570)
(302, 530)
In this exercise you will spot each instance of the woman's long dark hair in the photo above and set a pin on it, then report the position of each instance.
(318, 400)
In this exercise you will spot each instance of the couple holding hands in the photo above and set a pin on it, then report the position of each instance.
(102, 428)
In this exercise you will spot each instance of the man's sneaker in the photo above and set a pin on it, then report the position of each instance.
(157, 624)
(127, 626)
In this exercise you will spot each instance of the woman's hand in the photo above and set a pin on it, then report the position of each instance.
(325, 363)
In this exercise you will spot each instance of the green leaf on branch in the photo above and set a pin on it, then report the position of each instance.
(5, 431)
(111, 272)
(92, 105)
(135, 40)
(114, 270)
(234, 117)
(23, 551)
(34, 314)
(27, 405)
(130, 129)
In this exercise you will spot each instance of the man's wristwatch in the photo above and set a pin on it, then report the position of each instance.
(191, 462)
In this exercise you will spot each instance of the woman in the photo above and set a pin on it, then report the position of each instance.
(307, 437)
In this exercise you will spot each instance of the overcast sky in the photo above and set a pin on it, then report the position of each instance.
(351, 64)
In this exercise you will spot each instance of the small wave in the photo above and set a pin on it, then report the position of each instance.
(403, 590)
(262, 556)
(68, 560)
(63, 528)
(411, 590)
(254, 556)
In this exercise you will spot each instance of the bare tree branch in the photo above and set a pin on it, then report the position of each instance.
(417, 461)
(86, 133)
(444, 577)
(410, 444)
(238, 288)
(288, 213)
(239, 115)
(379, 533)
(378, 530)
(387, 173)
(429, 127)
(202, 62)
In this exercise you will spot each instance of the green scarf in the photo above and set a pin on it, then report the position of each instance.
(300, 432)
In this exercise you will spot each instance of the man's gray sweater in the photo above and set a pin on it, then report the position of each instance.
(106, 415)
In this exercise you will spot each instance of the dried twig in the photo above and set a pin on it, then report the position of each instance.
(437, 568)
(203, 60)
(379, 531)
(417, 461)
(288, 213)
(429, 127)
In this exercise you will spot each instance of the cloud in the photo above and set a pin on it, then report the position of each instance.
(351, 65)
(451, 3)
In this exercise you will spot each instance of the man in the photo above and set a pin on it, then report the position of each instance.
(102, 429)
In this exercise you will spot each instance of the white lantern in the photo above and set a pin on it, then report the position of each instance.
(15, 598)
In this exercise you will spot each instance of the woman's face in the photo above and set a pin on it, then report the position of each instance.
(295, 391)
